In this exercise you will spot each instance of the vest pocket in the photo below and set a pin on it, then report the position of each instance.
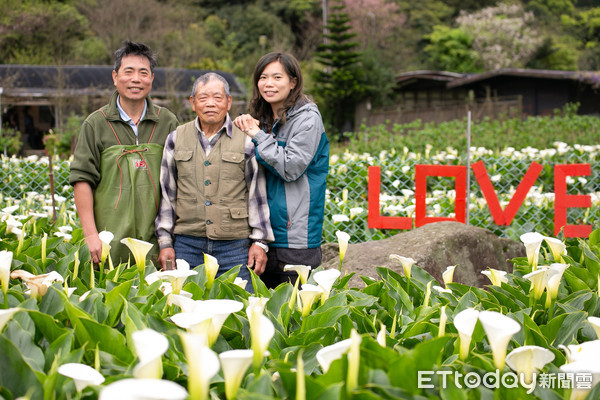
(235, 219)
(233, 166)
(183, 161)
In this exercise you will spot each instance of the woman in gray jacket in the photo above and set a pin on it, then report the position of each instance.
(287, 130)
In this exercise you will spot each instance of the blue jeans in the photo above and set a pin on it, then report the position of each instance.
(228, 253)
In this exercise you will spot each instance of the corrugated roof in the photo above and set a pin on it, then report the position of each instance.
(583, 76)
(97, 80)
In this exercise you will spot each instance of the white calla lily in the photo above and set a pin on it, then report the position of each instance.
(262, 329)
(555, 273)
(38, 284)
(6, 315)
(83, 375)
(140, 250)
(595, 323)
(234, 363)
(5, 263)
(186, 304)
(353, 361)
(499, 330)
(440, 289)
(105, 237)
(149, 346)
(575, 369)
(143, 389)
(343, 239)
(219, 310)
(465, 322)
(539, 280)
(406, 263)
(325, 279)
(329, 354)
(203, 364)
(528, 360)
(176, 277)
(308, 295)
(532, 242)
(583, 351)
(240, 282)
(301, 270)
(557, 248)
(211, 267)
(448, 274)
(495, 276)
(381, 336)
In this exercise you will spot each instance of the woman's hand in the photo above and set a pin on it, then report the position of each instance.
(247, 124)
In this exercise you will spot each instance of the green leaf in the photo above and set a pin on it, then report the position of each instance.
(563, 328)
(115, 300)
(16, 374)
(47, 325)
(107, 339)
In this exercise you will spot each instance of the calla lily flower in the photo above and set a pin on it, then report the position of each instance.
(325, 279)
(5, 315)
(595, 323)
(5, 263)
(440, 289)
(185, 303)
(555, 273)
(581, 352)
(575, 369)
(176, 277)
(105, 237)
(203, 364)
(427, 294)
(240, 282)
(211, 267)
(208, 316)
(495, 276)
(301, 270)
(64, 232)
(308, 295)
(539, 280)
(443, 320)
(143, 389)
(353, 361)
(381, 336)
(528, 360)
(262, 329)
(406, 263)
(150, 346)
(465, 322)
(343, 239)
(499, 329)
(140, 250)
(557, 248)
(38, 284)
(83, 375)
(532, 242)
(448, 274)
(44, 243)
(234, 363)
(329, 354)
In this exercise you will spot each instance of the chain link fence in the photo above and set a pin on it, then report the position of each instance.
(28, 180)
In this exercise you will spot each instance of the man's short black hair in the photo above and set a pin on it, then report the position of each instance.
(136, 49)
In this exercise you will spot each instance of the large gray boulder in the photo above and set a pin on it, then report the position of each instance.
(434, 247)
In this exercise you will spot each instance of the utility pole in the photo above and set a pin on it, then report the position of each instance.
(325, 40)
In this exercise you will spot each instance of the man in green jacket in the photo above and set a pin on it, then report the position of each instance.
(115, 171)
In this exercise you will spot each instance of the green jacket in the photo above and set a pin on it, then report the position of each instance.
(96, 136)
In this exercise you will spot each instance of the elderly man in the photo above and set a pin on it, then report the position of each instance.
(213, 190)
(118, 156)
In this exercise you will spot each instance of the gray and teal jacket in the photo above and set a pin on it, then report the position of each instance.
(296, 159)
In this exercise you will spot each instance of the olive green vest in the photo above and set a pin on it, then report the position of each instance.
(212, 195)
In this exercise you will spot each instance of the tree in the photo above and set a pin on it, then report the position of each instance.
(452, 50)
(503, 36)
(340, 85)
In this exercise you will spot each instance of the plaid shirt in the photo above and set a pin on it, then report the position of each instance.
(258, 208)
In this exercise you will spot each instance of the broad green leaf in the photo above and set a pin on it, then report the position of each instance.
(47, 325)
(115, 301)
(322, 335)
(23, 340)
(326, 318)
(108, 340)
(563, 328)
(16, 374)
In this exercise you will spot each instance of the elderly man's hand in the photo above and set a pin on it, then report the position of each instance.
(257, 259)
(166, 258)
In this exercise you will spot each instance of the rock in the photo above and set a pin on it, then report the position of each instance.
(434, 247)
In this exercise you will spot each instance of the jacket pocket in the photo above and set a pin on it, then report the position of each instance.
(232, 166)
(183, 161)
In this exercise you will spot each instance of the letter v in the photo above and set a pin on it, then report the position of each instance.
(505, 217)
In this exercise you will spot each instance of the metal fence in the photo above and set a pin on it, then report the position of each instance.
(346, 204)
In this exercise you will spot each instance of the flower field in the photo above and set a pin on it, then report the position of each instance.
(68, 330)
(72, 331)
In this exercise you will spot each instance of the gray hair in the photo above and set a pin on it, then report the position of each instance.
(210, 76)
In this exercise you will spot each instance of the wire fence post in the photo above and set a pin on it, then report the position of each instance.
(468, 166)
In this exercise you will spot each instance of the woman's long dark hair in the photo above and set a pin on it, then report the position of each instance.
(259, 107)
